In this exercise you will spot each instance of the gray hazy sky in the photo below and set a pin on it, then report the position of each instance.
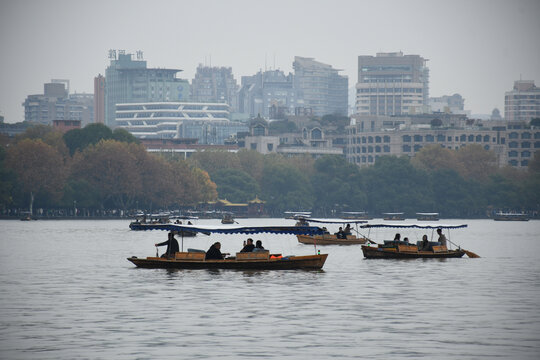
(476, 48)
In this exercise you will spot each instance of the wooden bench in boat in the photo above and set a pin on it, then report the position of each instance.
(255, 255)
(190, 256)
(439, 248)
(408, 248)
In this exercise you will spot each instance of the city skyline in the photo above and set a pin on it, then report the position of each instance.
(477, 49)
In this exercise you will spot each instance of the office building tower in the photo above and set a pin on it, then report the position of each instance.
(320, 86)
(392, 84)
(214, 84)
(99, 99)
(57, 104)
(523, 102)
(128, 80)
(270, 94)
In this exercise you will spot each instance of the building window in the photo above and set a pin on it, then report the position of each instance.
(363, 140)
(364, 150)
(526, 135)
(486, 138)
(386, 139)
(270, 147)
(526, 145)
(513, 153)
(406, 148)
(537, 135)
(377, 149)
(386, 148)
(513, 135)
(513, 162)
(417, 147)
(418, 138)
(486, 147)
(513, 144)
(524, 162)
(370, 149)
(463, 138)
(406, 138)
(253, 146)
(430, 138)
(478, 138)
(471, 138)
(537, 144)
(526, 153)
(440, 138)
(370, 139)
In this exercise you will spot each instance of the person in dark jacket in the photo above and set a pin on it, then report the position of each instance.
(249, 246)
(258, 246)
(214, 253)
(172, 246)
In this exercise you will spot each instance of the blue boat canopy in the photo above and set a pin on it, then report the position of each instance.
(416, 226)
(235, 229)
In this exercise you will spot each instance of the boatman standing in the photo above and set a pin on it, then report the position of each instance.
(172, 246)
(442, 238)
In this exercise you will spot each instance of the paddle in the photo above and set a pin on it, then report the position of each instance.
(469, 253)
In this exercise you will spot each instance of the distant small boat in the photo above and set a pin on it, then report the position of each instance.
(427, 216)
(227, 218)
(395, 216)
(356, 215)
(345, 238)
(500, 216)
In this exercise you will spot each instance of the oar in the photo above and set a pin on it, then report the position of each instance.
(469, 253)
(365, 237)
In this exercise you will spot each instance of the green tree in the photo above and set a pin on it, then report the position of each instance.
(123, 135)
(110, 167)
(393, 184)
(79, 139)
(40, 168)
(236, 185)
(337, 182)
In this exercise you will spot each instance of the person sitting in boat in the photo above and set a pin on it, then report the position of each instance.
(258, 246)
(442, 238)
(325, 230)
(172, 246)
(347, 230)
(425, 243)
(397, 237)
(406, 239)
(249, 246)
(340, 234)
(214, 253)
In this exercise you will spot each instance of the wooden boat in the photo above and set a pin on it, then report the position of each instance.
(260, 260)
(331, 239)
(500, 216)
(356, 215)
(404, 250)
(146, 222)
(227, 218)
(395, 216)
(427, 216)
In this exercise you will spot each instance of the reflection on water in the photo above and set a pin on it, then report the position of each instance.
(68, 292)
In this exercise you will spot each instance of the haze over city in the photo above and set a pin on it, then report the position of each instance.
(475, 48)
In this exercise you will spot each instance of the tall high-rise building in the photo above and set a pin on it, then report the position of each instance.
(99, 99)
(57, 104)
(214, 84)
(268, 94)
(320, 86)
(392, 84)
(523, 102)
(128, 80)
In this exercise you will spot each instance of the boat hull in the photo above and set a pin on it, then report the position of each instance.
(373, 252)
(309, 262)
(329, 239)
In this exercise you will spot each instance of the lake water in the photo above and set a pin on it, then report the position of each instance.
(68, 292)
